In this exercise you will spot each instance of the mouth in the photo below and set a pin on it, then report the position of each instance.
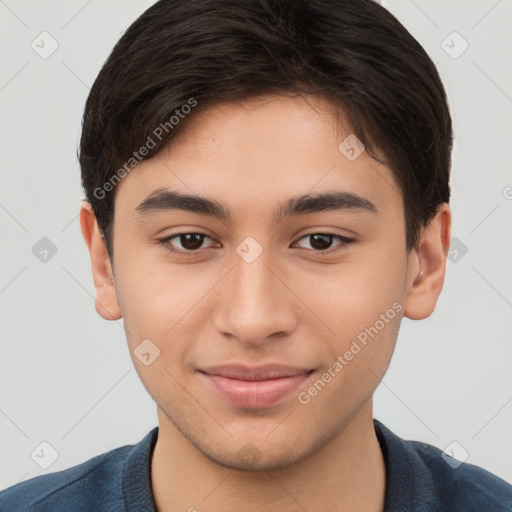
(255, 387)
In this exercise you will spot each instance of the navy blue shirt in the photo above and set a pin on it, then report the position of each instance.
(418, 479)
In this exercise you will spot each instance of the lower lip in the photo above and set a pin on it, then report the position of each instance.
(255, 394)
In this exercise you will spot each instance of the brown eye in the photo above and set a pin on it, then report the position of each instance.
(185, 243)
(323, 241)
(191, 241)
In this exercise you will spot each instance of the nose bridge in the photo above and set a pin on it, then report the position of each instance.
(253, 303)
(255, 282)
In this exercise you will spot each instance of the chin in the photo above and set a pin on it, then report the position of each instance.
(258, 462)
(262, 454)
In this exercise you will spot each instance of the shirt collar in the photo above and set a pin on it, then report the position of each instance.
(137, 489)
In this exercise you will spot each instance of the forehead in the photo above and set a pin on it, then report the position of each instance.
(255, 153)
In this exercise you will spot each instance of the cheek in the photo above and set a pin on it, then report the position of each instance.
(352, 296)
(161, 306)
(168, 304)
(361, 303)
(153, 298)
(363, 309)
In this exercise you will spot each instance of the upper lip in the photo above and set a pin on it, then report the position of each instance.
(255, 373)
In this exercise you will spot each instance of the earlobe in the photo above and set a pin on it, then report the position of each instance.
(427, 265)
(106, 302)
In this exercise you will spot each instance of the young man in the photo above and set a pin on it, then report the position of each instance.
(267, 197)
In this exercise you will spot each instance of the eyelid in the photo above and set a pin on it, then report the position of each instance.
(165, 242)
(344, 240)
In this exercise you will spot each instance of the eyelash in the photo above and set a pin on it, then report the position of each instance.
(343, 239)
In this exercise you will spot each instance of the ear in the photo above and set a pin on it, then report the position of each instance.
(427, 265)
(106, 302)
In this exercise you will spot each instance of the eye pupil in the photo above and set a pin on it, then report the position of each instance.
(192, 241)
(321, 241)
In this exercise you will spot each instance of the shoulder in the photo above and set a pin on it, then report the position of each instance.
(80, 488)
(466, 486)
(425, 478)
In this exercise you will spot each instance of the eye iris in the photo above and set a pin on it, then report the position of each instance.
(321, 241)
(192, 241)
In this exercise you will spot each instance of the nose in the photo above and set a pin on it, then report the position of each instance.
(255, 305)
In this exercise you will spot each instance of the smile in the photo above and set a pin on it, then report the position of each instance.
(255, 388)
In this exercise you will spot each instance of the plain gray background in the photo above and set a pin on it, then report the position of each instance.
(66, 375)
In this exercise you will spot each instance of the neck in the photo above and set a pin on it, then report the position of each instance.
(346, 474)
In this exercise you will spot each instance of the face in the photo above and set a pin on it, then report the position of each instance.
(270, 301)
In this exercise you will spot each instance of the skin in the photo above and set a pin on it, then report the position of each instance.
(292, 305)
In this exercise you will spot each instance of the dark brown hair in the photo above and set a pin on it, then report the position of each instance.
(200, 53)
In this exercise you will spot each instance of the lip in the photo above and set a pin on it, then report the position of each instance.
(255, 387)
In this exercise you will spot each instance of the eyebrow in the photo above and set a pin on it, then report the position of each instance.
(165, 200)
